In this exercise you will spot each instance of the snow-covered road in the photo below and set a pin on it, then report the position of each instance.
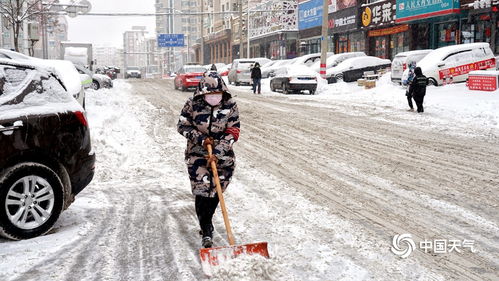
(326, 182)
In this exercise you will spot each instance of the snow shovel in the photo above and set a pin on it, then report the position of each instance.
(211, 257)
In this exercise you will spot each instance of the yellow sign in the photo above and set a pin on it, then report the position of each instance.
(366, 16)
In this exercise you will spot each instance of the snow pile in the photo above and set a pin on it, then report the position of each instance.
(249, 268)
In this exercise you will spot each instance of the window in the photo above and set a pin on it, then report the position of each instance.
(11, 78)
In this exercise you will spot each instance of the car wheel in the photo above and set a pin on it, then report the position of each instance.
(237, 83)
(175, 85)
(285, 89)
(312, 92)
(339, 77)
(31, 200)
(272, 89)
(432, 81)
(183, 88)
(95, 85)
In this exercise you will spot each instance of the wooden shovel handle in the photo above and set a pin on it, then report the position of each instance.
(213, 165)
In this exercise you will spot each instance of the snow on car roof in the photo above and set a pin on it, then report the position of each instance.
(35, 104)
(357, 62)
(297, 70)
(439, 54)
(65, 70)
(416, 52)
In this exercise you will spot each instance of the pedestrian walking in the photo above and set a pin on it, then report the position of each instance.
(410, 77)
(417, 89)
(256, 76)
(209, 117)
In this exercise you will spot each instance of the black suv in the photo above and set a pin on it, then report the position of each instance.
(45, 152)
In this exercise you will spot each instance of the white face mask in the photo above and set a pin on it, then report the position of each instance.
(213, 99)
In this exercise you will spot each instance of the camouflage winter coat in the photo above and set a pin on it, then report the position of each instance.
(199, 120)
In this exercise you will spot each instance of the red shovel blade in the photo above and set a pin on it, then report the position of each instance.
(211, 257)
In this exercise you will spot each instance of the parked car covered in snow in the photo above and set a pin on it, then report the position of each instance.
(266, 68)
(335, 59)
(352, 69)
(96, 81)
(292, 79)
(46, 157)
(453, 63)
(402, 61)
(188, 76)
(65, 70)
(240, 72)
(276, 67)
(310, 59)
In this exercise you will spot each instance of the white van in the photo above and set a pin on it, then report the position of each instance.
(453, 63)
(402, 60)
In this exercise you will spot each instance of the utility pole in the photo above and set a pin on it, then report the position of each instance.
(240, 29)
(201, 51)
(247, 31)
(324, 41)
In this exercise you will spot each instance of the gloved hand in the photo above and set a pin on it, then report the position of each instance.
(213, 158)
(208, 140)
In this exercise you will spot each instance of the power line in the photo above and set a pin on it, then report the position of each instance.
(168, 13)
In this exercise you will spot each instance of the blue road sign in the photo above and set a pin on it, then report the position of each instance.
(170, 40)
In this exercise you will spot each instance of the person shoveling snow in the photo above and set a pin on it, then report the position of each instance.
(210, 122)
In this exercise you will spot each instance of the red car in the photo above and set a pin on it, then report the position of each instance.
(188, 76)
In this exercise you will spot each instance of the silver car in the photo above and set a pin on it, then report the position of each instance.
(240, 72)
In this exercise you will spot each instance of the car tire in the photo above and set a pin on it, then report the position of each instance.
(237, 83)
(175, 85)
(285, 89)
(45, 199)
(272, 89)
(95, 85)
(312, 92)
(432, 81)
(183, 88)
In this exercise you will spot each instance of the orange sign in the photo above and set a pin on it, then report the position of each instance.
(388, 31)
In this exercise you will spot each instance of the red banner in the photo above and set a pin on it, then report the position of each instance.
(466, 68)
(482, 83)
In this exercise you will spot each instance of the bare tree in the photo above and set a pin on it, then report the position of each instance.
(16, 12)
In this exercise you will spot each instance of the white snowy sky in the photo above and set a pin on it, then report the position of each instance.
(109, 30)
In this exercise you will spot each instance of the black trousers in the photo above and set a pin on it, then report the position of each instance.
(419, 102)
(409, 100)
(205, 208)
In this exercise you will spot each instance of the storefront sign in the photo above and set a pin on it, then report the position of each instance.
(408, 10)
(379, 13)
(482, 83)
(309, 14)
(388, 31)
(343, 20)
(343, 4)
(466, 68)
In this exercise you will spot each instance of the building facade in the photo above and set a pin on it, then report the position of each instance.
(176, 23)
(135, 47)
(273, 29)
